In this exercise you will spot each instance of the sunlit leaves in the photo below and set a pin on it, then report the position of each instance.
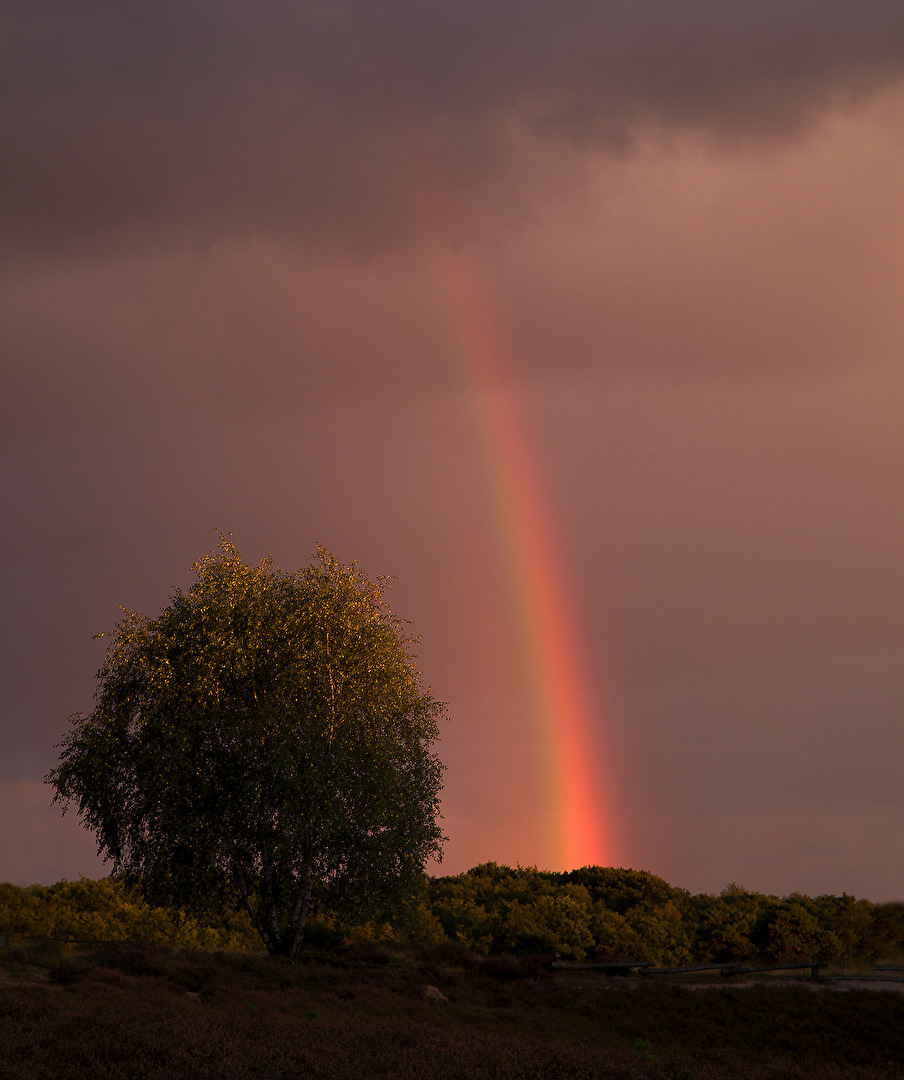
(266, 737)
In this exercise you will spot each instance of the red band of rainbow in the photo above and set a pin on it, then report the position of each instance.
(541, 613)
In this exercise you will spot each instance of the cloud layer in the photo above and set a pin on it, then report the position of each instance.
(139, 125)
(224, 305)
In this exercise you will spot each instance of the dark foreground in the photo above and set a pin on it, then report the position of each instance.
(141, 1013)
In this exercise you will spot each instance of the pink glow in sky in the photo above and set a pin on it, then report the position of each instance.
(542, 624)
(628, 436)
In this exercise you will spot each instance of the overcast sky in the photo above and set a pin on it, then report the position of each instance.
(221, 307)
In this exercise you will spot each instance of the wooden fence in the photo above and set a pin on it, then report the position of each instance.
(648, 968)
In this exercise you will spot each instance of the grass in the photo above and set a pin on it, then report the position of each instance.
(137, 1012)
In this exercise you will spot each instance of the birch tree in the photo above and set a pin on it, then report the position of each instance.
(265, 740)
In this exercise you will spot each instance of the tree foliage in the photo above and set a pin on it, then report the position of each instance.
(264, 740)
(593, 913)
(603, 912)
(110, 910)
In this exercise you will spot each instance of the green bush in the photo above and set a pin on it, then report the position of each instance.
(107, 910)
(595, 912)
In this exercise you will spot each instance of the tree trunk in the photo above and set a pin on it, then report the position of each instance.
(300, 914)
(262, 926)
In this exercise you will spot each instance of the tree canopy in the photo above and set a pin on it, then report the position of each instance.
(266, 740)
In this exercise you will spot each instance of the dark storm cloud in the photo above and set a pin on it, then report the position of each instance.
(221, 308)
(140, 122)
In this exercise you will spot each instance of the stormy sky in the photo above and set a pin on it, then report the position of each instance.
(220, 308)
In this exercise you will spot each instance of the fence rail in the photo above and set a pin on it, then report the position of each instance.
(727, 970)
(647, 967)
(607, 967)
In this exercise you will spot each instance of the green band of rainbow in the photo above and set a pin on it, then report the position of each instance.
(541, 613)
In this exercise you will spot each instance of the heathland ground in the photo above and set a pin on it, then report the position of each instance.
(96, 983)
(145, 1012)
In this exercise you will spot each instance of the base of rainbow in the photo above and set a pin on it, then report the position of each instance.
(542, 615)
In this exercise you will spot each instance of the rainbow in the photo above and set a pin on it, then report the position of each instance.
(541, 613)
